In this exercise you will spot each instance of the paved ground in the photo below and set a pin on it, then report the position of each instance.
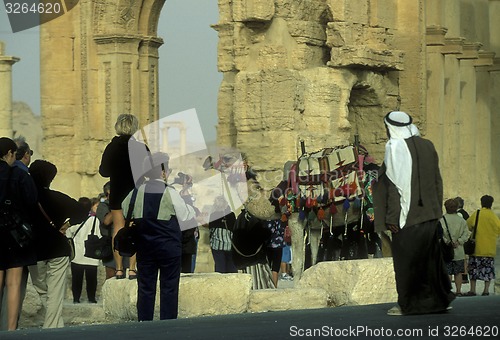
(469, 317)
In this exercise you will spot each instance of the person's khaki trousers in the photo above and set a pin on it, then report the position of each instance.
(49, 280)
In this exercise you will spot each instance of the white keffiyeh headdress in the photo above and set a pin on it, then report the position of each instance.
(398, 159)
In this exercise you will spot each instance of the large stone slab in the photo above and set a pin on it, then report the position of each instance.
(266, 300)
(356, 282)
(214, 294)
(199, 295)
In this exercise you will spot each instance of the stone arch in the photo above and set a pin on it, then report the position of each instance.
(366, 107)
(107, 65)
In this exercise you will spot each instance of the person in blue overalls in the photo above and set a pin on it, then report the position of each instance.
(160, 213)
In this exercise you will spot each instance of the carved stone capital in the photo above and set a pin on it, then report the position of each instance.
(118, 43)
(103, 39)
(485, 58)
(453, 45)
(150, 46)
(6, 60)
(470, 51)
(435, 35)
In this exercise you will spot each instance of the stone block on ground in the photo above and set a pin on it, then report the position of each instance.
(265, 300)
(200, 294)
(213, 294)
(119, 299)
(356, 282)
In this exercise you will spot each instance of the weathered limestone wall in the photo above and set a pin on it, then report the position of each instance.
(318, 71)
(322, 71)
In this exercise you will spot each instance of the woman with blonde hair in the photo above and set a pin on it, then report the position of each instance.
(115, 164)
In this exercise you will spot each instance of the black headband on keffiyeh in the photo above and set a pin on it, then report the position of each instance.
(393, 122)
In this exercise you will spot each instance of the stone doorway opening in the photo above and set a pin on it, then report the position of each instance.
(365, 116)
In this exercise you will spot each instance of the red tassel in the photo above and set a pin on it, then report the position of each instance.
(333, 209)
(321, 214)
(309, 202)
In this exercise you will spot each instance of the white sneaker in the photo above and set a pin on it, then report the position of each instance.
(286, 277)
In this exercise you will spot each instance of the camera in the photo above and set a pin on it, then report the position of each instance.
(183, 179)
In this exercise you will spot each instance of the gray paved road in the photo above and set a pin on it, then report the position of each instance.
(469, 316)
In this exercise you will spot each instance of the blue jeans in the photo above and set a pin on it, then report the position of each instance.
(170, 273)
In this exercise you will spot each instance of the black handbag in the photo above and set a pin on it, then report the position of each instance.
(447, 248)
(13, 222)
(470, 244)
(96, 247)
(249, 236)
(126, 238)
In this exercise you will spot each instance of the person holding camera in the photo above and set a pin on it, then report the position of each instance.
(159, 213)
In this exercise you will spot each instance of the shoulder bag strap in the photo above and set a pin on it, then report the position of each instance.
(475, 225)
(93, 225)
(130, 208)
(53, 224)
(46, 216)
(81, 225)
(447, 229)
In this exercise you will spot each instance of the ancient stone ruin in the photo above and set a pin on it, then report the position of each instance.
(318, 71)
(325, 71)
(321, 71)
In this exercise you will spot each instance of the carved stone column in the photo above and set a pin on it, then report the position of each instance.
(6, 63)
(469, 120)
(452, 138)
(118, 65)
(149, 101)
(484, 115)
(435, 85)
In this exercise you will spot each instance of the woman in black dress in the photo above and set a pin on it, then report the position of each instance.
(115, 164)
(17, 188)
